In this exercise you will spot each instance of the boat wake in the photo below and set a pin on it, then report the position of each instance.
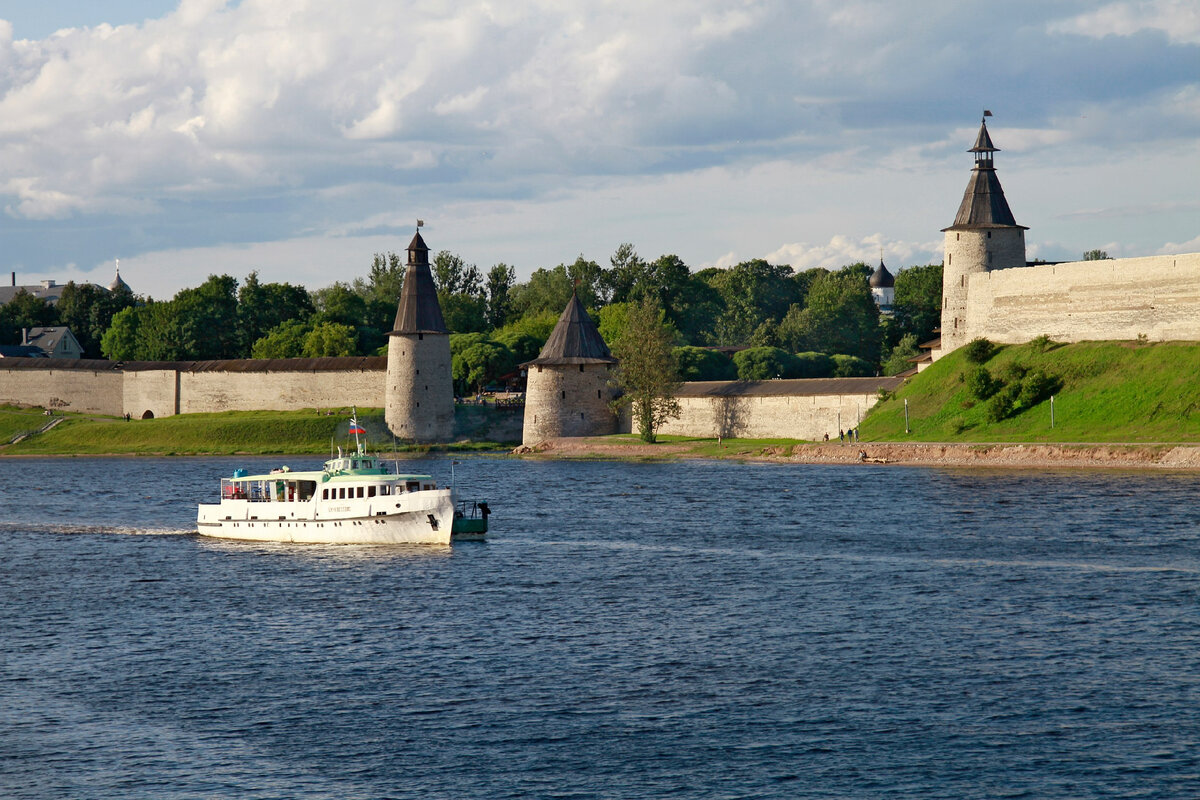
(75, 528)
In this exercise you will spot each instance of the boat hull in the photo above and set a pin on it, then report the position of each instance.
(422, 520)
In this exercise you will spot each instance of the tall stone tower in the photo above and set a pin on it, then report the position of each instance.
(419, 398)
(984, 237)
(567, 391)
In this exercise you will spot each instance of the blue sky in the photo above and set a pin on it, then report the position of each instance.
(297, 137)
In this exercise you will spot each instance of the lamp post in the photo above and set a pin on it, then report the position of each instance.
(906, 430)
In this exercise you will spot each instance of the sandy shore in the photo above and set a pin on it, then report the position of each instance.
(1036, 456)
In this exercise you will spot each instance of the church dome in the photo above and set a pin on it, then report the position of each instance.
(118, 283)
(881, 278)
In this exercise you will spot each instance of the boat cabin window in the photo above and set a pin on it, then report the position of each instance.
(341, 492)
(385, 489)
(370, 491)
(324, 494)
(360, 491)
(413, 486)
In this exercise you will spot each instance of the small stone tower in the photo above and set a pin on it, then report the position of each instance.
(419, 397)
(883, 288)
(567, 391)
(984, 237)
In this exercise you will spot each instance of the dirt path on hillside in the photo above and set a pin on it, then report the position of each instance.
(1036, 456)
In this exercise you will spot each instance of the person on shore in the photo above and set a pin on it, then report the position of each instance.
(841, 436)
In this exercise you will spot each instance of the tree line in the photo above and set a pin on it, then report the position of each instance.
(812, 323)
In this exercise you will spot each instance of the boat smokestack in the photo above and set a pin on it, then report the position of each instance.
(14, 277)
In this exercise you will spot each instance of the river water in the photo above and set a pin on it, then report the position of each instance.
(689, 630)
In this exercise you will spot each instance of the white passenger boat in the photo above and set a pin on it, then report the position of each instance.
(355, 499)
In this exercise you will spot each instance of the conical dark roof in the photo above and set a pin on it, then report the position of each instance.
(575, 339)
(983, 142)
(983, 204)
(419, 311)
(881, 278)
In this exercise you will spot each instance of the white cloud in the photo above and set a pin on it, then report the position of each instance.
(1190, 246)
(713, 129)
(841, 250)
(1178, 19)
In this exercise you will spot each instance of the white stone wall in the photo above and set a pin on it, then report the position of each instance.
(419, 394)
(567, 400)
(85, 391)
(1157, 297)
(807, 417)
(277, 391)
(151, 393)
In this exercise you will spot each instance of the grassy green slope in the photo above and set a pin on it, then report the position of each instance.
(15, 421)
(230, 432)
(1110, 392)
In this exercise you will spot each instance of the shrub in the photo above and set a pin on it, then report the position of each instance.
(813, 365)
(978, 351)
(1043, 343)
(851, 367)
(702, 364)
(981, 384)
(763, 364)
(1036, 387)
(1002, 403)
(1013, 372)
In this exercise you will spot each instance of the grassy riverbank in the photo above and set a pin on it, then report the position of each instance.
(233, 432)
(1103, 392)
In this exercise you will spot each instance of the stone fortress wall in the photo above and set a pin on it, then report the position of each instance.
(1157, 297)
(803, 408)
(101, 387)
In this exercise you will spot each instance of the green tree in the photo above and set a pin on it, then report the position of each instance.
(460, 293)
(812, 365)
(840, 317)
(481, 363)
(537, 326)
(119, 342)
(753, 292)
(286, 340)
(851, 367)
(611, 321)
(703, 364)
(627, 271)
(647, 372)
(330, 339)
(1096, 255)
(24, 311)
(77, 310)
(262, 307)
(763, 364)
(207, 319)
(917, 308)
(524, 346)
(546, 291)
(898, 359)
(500, 280)
(160, 333)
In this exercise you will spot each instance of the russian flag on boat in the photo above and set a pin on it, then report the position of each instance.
(356, 428)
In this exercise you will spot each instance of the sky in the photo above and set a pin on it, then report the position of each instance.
(299, 137)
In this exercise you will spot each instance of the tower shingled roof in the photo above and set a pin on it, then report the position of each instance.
(983, 204)
(575, 339)
(419, 311)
